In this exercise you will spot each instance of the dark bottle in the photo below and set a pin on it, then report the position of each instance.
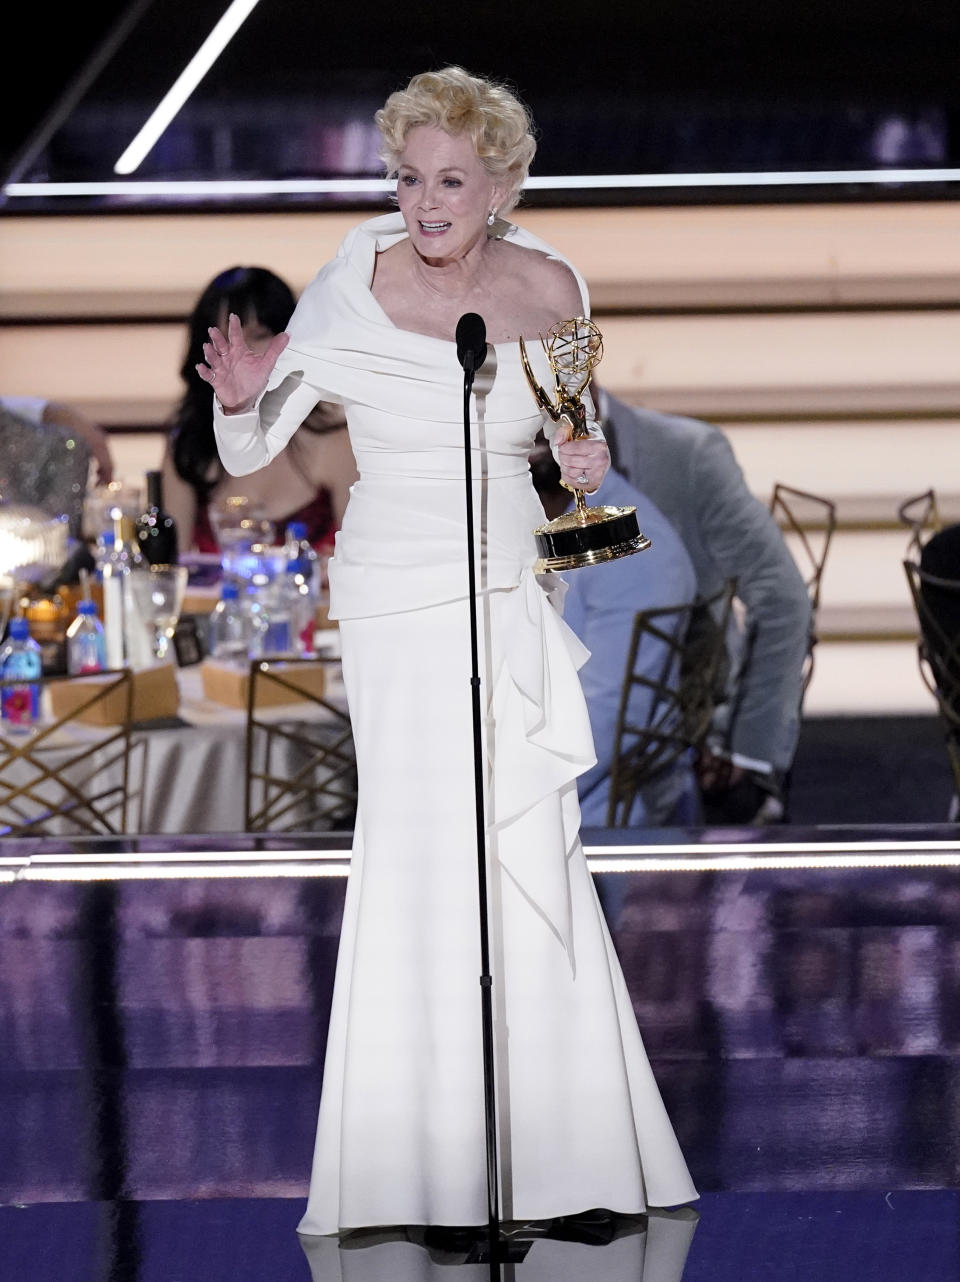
(156, 529)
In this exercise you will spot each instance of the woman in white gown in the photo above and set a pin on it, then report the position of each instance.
(401, 1134)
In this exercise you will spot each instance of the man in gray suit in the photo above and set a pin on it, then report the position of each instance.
(688, 469)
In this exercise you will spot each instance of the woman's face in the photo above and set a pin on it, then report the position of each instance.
(256, 335)
(444, 193)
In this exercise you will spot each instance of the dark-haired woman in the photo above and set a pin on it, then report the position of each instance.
(309, 482)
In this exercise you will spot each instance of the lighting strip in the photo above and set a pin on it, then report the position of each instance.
(181, 89)
(772, 863)
(558, 182)
(766, 178)
(191, 856)
(889, 846)
(159, 872)
(723, 857)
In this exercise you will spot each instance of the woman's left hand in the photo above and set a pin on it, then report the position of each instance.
(583, 463)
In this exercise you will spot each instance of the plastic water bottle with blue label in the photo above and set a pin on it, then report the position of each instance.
(86, 641)
(21, 665)
(230, 626)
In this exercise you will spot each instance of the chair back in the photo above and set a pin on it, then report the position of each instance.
(809, 522)
(64, 778)
(937, 605)
(301, 767)
(683, 691)
(922, 518)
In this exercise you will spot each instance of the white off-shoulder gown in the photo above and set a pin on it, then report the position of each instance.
(401, 1133)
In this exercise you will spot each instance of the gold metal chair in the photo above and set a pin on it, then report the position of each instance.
(810, 520)
(301, 770)
(682, 695)
(937, 605)
(922, 518)
(55, 783)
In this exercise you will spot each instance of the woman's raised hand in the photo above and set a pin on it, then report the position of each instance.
(236, 374)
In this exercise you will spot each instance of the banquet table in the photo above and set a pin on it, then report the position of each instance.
(188, 771)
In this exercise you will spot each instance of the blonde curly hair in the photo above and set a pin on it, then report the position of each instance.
(498, 123)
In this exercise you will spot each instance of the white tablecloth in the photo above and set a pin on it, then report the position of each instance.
(190, 778)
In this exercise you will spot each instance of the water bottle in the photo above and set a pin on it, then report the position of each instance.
(230, 626)
(104, 548)
(127, 632)
(20, 660)
(113, 565)
(303, 564)
(258, 621)
(86, 641)
(280, 615)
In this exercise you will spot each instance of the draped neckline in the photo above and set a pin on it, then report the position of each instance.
(380, 234)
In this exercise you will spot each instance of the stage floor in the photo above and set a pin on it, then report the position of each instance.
(163, 1008)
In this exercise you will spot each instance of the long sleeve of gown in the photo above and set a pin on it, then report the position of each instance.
(305, 373)
(247, 442)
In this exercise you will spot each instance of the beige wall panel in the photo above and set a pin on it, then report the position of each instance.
(152, 265)
(827, 254)
(756, 241)
(707, 364)
(885, 462)
(117, 373)
(652, 358)
(136, 453)
(862, 569)
(869, 679)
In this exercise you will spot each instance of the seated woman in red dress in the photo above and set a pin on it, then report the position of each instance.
(308, 482)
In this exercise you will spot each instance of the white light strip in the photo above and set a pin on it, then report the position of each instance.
(157, 872)
(211, 187)
(597, 864)
(562, 182)
(724, 857)
(190, 857)
(772, 863)
(890, 846)
(184, 85)
(746, 178)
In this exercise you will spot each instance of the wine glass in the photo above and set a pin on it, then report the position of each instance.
(104, 502)
(8, 589)
(237, 525)
(158, 591)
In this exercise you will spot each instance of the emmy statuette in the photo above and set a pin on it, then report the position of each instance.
(586, 535)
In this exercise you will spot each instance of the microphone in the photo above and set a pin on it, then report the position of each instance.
(471, 342)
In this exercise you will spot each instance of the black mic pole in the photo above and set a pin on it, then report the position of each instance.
(471, 352)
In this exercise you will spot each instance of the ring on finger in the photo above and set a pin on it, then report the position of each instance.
(582, 478)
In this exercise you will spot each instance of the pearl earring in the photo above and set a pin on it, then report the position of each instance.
(491, 217)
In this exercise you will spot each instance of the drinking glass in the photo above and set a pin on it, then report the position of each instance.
(238, 524)
(105, 502)
(158, 592)
(8, 588)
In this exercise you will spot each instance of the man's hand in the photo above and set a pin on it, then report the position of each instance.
(730, 794)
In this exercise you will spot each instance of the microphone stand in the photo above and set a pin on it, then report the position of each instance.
(470, 360)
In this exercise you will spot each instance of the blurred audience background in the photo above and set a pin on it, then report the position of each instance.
(308, 482)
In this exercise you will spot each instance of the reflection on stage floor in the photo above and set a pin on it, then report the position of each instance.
(732, 1237)
(161, 1038)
